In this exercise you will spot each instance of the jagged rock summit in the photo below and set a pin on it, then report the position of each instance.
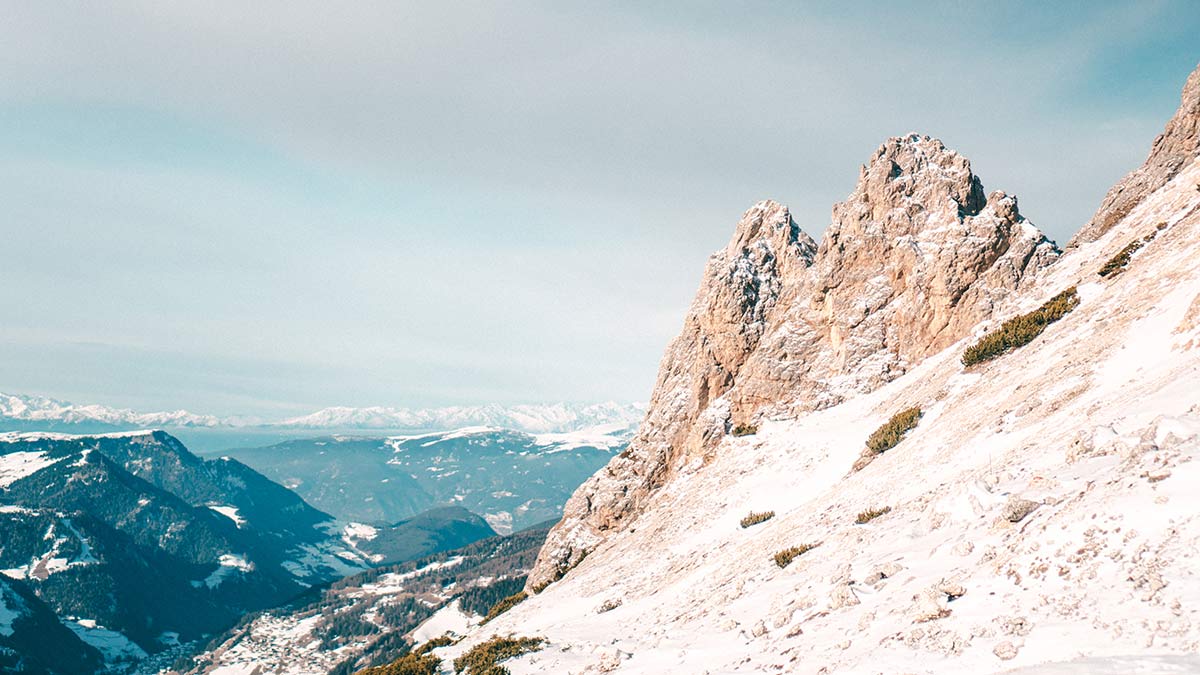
(1172, 151)
(742, 286)
(914, 258)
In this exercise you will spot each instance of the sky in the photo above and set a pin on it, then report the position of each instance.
(267, 208)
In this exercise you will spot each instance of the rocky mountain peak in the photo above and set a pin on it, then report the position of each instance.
(1172, 150)
(766, 215)
(916, 201)
(1004, 206)
(907, 175)
(1063, 466)
(770, 223)
(743, 283)
(914, 259)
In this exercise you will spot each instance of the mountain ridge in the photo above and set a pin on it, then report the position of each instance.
(141, 548)
(22, 412)
(1170, 153)
(915, 257)
(512, 478)
(1041, 509)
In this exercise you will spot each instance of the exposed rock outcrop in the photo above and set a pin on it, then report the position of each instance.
(1173, 149)
(914, 259)
(738, 297)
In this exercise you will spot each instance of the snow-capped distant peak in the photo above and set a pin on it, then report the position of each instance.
(535, 419)
(41, 409)
(23, 436)
(34, 411)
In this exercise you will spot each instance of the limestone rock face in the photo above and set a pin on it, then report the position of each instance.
(913, 260)
(738, 296)
(1173, 149)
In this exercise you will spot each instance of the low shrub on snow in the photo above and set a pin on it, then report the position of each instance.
(871, 514)
(787, 555)
(755, 518)
(609, 605)
(440, 641)
(412, 663)
(1021, 330)
(888, 436)
(1120, 261)
(892, 432)
(505, 605)
(744, 430)
(484, 658)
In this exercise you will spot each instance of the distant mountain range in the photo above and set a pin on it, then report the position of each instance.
(124, 551)
(534, 419)
(20, 412)
(34, 410)
(140, 547)
(513, 479)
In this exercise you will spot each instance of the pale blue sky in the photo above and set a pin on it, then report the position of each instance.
(272, 207)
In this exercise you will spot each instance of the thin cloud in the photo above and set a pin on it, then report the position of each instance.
(463, 202)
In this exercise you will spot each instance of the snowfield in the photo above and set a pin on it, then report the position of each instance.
(229, 512)
(501, 522)
(114, 646)
(16, 465)
(228, 565)
(449, 620)
(605, 436)
(323, 558)
(392, 582)
(1046, 510)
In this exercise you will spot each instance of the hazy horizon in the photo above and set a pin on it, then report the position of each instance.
(285, 416)
(270, 209)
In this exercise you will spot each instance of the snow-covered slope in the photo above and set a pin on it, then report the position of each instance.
(1043, 510)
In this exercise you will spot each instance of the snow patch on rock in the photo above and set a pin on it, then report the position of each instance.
(229, 512)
